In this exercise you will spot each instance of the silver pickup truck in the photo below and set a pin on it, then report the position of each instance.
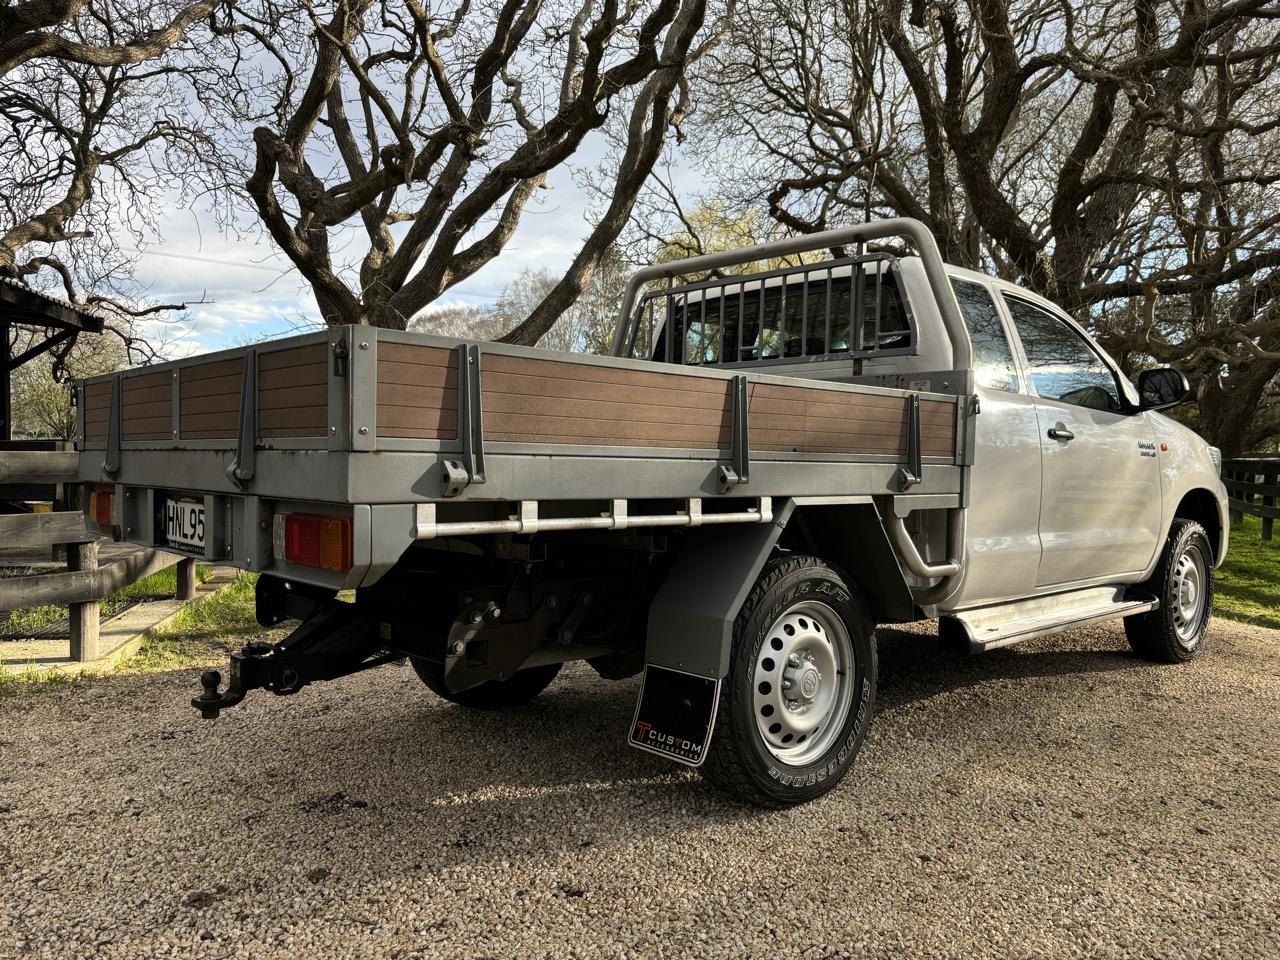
(769, 465)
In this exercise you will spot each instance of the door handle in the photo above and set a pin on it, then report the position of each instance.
(1059, 431)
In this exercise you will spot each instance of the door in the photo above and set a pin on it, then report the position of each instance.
(1002, 537)
(1100, 487)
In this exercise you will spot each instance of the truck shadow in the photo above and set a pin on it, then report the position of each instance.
(458, 787)
(916, 665)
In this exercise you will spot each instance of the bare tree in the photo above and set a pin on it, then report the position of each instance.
(1115, 156)
(407, 142)
(96, 127)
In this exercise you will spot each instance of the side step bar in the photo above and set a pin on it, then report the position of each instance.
(989, 628)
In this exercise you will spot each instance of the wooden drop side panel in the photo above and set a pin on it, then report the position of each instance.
(209, 400)
(146, 404)
(553, 401)
(417, 392)
(293, 392)
(97, 410)
(812, 420)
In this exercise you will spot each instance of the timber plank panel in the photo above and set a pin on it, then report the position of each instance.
(293, 394)
(213, 368)
(813, 420)
(415, 353)
(416, 374)
(286, 398)
(417, 392)
(555, 401)
(97, 409)
(593, 373)
(146, 406)
(219, 403)
(228, 386)
(515, 426)
(661, 394)
(606, 409)
(209, 400)
(311, 355)
(407, 395)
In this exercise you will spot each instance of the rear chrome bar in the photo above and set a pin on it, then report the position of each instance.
(617, 517)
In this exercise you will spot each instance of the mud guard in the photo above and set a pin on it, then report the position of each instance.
(690, 633)
(675, 714)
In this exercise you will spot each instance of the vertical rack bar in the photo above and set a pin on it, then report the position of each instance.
(827, 312)
(804, 315)
(648, 352)
(742, 317)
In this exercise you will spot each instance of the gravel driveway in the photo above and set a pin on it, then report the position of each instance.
(1055, 799)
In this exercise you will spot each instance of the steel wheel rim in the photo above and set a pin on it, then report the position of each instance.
(802, 683)
(1190, 591)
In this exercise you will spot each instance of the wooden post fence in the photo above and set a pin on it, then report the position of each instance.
(1252, 488)
(85, 582)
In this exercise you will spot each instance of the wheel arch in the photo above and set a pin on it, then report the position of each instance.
(852, 538)
(691, 616)
(1206, 509)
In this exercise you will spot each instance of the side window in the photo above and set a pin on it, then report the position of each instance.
(1062, 365)
(992, 359)
(782, 317)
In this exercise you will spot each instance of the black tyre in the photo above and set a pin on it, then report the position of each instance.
(515, 691)
(798, 699)
(1183, 581)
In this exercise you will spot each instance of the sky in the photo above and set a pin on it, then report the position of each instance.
(252, 291)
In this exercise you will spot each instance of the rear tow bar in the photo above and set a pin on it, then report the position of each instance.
(333, 642)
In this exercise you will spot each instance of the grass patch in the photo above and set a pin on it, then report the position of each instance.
(33, 680)
(1248, 582)
(205, 631)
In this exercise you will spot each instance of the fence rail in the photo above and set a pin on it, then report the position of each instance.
(84, 583)
(1252, 488)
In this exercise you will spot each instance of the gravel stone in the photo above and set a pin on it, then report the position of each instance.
(1061, 798)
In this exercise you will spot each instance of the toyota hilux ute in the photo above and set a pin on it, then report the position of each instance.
(769, 465)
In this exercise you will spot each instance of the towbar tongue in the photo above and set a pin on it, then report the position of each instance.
(333, 642)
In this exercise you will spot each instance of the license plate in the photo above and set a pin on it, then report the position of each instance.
(184, 522)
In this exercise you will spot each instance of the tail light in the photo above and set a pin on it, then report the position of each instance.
(318, 541)
(101, 504)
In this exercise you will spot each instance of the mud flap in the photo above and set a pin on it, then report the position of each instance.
(675, 714)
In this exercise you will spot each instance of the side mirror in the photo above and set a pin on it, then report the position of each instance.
(1162, 387)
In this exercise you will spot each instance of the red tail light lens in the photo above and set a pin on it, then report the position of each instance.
(102, 508)
(317, 541)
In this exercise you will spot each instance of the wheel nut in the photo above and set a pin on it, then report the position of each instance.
(786, 684)
(794, 660)
(458, 648)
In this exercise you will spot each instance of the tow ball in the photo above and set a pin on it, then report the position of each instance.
(211, 702)
(333, 642)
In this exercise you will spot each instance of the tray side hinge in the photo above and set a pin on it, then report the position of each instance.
(111, 462)
(241, 469)
(911, 472)
(457, 475)
(739, 470)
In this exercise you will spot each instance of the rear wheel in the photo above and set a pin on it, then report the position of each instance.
(517, 690)
(801, 687)
(1183, 582)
